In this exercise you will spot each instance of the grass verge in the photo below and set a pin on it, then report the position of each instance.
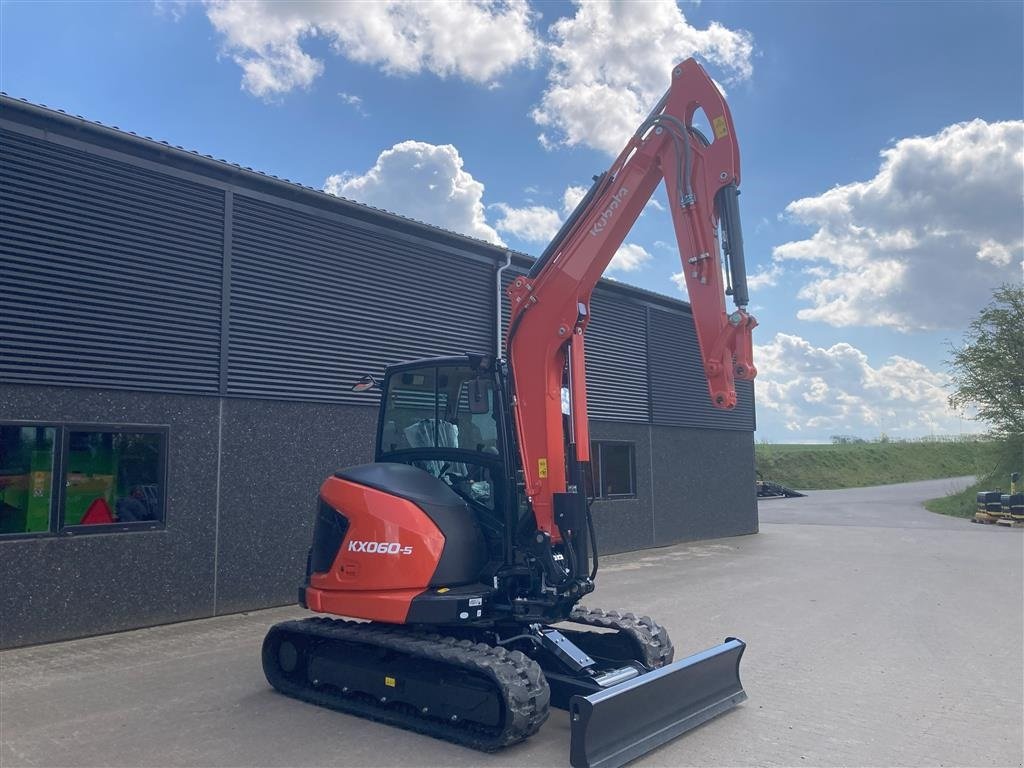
(1002, 459)
(853, 465)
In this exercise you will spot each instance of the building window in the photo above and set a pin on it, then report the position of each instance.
(613, 470)
(111, 478)
(26, 478)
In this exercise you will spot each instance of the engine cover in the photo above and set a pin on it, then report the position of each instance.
(406, 532)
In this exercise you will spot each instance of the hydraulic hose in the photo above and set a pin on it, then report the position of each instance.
(593, 540)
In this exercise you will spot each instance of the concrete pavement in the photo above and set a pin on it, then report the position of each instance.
(878, 634)
(881, 506)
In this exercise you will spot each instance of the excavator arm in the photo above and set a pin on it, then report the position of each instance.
(550, 306)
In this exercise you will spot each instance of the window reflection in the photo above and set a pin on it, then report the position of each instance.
(612, 471)
(26, 478)
(112, 477)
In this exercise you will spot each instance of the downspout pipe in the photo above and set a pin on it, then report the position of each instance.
(498, 303)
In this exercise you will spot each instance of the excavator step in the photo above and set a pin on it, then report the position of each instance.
(619, 724)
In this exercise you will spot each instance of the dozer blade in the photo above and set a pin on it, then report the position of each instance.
(616, 725)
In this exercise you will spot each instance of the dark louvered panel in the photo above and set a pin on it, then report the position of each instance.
(616, 339)
(679, 391)
(316, 304)
(111, 273)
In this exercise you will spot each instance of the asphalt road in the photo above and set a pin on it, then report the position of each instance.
(878, 635)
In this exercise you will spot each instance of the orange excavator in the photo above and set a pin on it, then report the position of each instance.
(466, 546)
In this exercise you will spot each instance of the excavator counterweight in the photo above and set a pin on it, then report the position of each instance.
(467, 545)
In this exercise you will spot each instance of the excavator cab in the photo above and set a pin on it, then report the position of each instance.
(444, 416)
(448, 417)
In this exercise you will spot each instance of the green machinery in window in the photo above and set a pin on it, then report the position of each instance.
(110, 476)
(26, 478)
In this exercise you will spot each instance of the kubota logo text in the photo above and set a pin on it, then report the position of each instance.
(379, 547)
(608, 212)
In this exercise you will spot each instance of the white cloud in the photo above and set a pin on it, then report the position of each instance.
(477, 40)
(571, 198)
(816, 392)
(679, 278)
(422, 181)
(611, 63)
(173, 9)
(539, 224)
(764, 277)
(923, 243)
(534, 224)
(629, 258)
(994, 253)
(356, 102)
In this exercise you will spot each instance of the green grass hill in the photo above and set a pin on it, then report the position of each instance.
(852, 465)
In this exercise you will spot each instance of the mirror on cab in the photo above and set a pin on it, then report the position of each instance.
(477, 390)
(366, 384)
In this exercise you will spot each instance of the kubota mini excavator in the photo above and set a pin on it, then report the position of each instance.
(470, 535)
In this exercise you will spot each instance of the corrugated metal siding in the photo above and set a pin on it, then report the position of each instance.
(617, 386)
(679, 392)
(316, 304)
(112, 277)
(111, 274)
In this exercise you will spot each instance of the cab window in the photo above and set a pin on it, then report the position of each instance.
(439, 407)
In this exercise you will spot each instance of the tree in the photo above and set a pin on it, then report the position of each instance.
(988, 368)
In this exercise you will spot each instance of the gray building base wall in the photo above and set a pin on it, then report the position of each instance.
(275, 456)
(247, 551)
(237, 529)
(691, 484)
(704, 484)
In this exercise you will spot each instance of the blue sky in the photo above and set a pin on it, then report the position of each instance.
(861, 287)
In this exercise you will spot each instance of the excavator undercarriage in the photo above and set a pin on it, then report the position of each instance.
(617, 679)
(472, 694)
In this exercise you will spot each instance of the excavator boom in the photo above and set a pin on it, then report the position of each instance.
(550, 306)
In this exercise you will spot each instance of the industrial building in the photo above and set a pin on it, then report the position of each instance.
(178, 341)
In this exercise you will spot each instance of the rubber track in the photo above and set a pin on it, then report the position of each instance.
(520, 679)
(650, 637)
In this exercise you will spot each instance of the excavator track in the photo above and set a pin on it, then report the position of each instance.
(650, 642)
(472, 694)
